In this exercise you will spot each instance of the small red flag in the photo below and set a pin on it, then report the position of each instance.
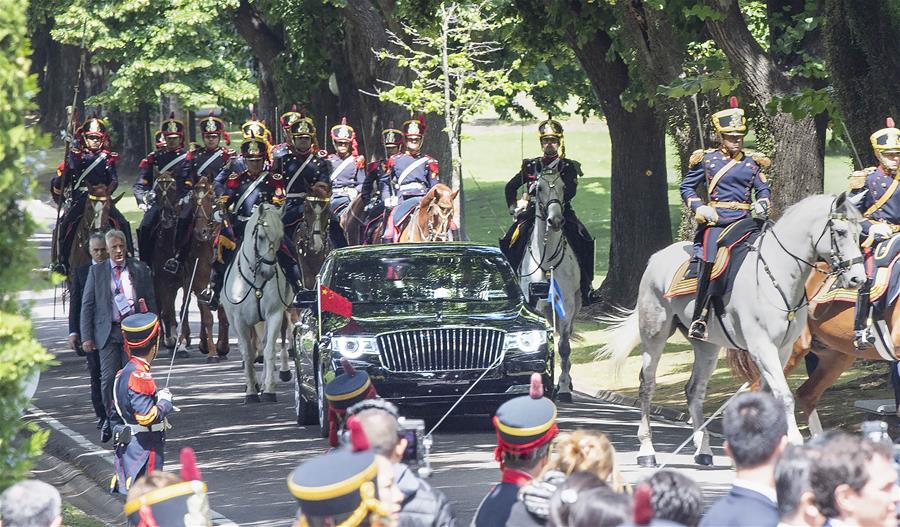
(332, 302)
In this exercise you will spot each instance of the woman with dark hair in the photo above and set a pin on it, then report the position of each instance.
(600, 507)
(568, 494)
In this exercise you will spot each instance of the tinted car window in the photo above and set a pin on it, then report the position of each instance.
(425, 277)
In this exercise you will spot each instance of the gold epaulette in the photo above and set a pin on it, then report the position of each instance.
(697, 156)
(193, 146)
(761, 160)
(857, 179)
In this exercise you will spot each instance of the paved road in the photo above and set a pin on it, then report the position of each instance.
(246, 451)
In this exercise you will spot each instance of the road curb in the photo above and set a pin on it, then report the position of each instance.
(626, 400)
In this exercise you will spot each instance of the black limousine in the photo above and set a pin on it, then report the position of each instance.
(427, 321)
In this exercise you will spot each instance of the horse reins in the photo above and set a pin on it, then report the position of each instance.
(540, 213)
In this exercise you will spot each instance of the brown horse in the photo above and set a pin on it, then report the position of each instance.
(353, 221)
(829, 334)
(204, 231)
(166, 283)
(432, 218)
(96, 217)
(311, 235)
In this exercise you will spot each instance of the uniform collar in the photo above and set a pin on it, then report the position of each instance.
(736, 158)
(141, 363)
(410, 154)
(886, 173)
(545, 159)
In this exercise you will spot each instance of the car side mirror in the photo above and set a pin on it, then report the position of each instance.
(308, 298)
(538, 290)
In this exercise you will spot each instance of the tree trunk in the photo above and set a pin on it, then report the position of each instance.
(266, 43)
(132, 145)
(59, 86)
(640, 223)
(864, 59)
(268, 97)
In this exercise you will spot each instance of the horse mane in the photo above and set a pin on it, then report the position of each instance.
(320, 189)
(437, 191)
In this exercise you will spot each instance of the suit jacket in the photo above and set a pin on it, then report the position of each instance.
(96, 301)
(76, 289)
(741, 507)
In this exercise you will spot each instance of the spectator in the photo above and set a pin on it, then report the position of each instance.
(97, 247)
(796, 503)
(578, 451)
(422, 504)
(854, 482)
(568, 494)
(675, 497)
(599, 507)
(111, 293)
(30, 503)
(164, 499)
(755, 434)
(149, 482)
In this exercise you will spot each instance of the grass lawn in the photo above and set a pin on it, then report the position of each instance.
(74, 517)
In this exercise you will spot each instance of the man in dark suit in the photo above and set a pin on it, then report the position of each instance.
(112, 292)
(755, 428)
(97, 246)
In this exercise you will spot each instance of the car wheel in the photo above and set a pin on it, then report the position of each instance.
(324, 421)
(306, 410)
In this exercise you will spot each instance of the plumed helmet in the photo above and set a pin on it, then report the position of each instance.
(887, 139)
(730, 121)
(256, 129)
(414, 127)
(255, 148)
(172, 127)
(391, 136)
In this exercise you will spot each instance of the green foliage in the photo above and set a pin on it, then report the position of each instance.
(20, 354)
(176, 47)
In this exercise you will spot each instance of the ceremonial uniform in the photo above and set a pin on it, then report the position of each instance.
(408, 176)
(731, 181)
(346, 173)
(83, 170)
(342, 392)
(301, 170)
(172, 161)
(139, 421)
(525, 425)
(517, 238)
(878, 200)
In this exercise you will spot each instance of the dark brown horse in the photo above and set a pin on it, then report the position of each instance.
(353, 221)
(166, 283)
(205, 229)
(432, 218)
(96, 217)
(311, 236)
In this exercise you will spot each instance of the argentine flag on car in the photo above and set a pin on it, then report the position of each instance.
(556, 297)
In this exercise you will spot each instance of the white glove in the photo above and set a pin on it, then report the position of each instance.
(761, 208)
(164, 395)
(707, 213)
(390, 202)
(144, 207)
(880, 230)
(217, 216)
(186, 199)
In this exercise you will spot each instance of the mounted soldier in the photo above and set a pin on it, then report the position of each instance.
(376, 173)
(515, 242)
(347, 167)
(876, 188)
(301, 164)
(409, 176)
(89, 170)
(237, 193)
(171, 160)
(730, 176)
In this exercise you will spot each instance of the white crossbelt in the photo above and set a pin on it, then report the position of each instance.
(416, 164)
(246, 194)
(159, 427)
(212, 158)
(172, 163)
(341, 167)
(297, 173)
(88, 170)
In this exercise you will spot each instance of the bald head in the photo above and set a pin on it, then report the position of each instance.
(381, 429)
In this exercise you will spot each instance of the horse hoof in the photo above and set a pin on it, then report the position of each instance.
(212, 359)
(285, 376)
(221, 357)
(564, 397)
(259, 360)
(647, 461)
(202, 349)
(251, 398)
(705, 460)
(181, 354)
(269, 398)
(292, 353)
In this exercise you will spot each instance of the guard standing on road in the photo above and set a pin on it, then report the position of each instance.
(342, 392)
(525, 426)
(140, 409)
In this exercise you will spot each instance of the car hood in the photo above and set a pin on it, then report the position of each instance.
(376, 318)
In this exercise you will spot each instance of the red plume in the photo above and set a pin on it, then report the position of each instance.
(210, 114)
(227, 137)
(733, 102)
(536, 391)
(343, 120)
(348, 368)
(145, 513)
(294, 107)
(391, 123)
(358, 439)
(643, 507)
(189, 470)
(889, 122)
(421, 119)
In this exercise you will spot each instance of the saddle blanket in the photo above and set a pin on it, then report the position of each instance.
(399, 216)
(885, 285)
(733, 243)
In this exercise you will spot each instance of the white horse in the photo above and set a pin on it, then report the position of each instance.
(763, 314)
(548, 251)
(255, 296)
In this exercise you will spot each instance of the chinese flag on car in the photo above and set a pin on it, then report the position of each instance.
(332, 302)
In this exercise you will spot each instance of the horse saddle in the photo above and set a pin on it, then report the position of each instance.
(885, 285)
(733, 244)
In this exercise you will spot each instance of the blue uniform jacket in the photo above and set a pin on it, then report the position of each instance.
(287, 162)
(200, 156)
(735, 185)
(136, 404)
(160, 160)
(569, 171)
(104, 173)
(877, 183)
(495, 507)
(346, 175)
(417, 182)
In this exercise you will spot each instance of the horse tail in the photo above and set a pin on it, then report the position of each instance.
(622, 336)
(742, 366)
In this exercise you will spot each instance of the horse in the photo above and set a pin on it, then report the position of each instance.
(353, 222)
(166, 279)
(255, 295)
(205, 228)
(549, 253)
(763, 314)
(829, 334)
(431, 220)
(96, 217)
(311, 236)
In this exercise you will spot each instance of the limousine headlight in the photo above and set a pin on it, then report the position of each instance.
(354, 347)
(526, 341)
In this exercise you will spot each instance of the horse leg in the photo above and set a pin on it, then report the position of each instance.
(284, 372)
(222, 345)
(831, 365)
(206, 343)
(705, 359)
(564, 386)
(768, 360)
(248, 353)
(271, 339)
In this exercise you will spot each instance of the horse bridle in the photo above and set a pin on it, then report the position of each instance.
(316, 229)
(433, 234)
(541, 213)
(201, 213)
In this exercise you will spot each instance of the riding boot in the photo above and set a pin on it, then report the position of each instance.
(701, 305)
(863, 336)
(336, 233)
(295, 278)
(210, 295)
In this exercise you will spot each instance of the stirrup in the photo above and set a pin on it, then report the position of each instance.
(698, 329)
(206, 295)
(171, 266)
(863, 338)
